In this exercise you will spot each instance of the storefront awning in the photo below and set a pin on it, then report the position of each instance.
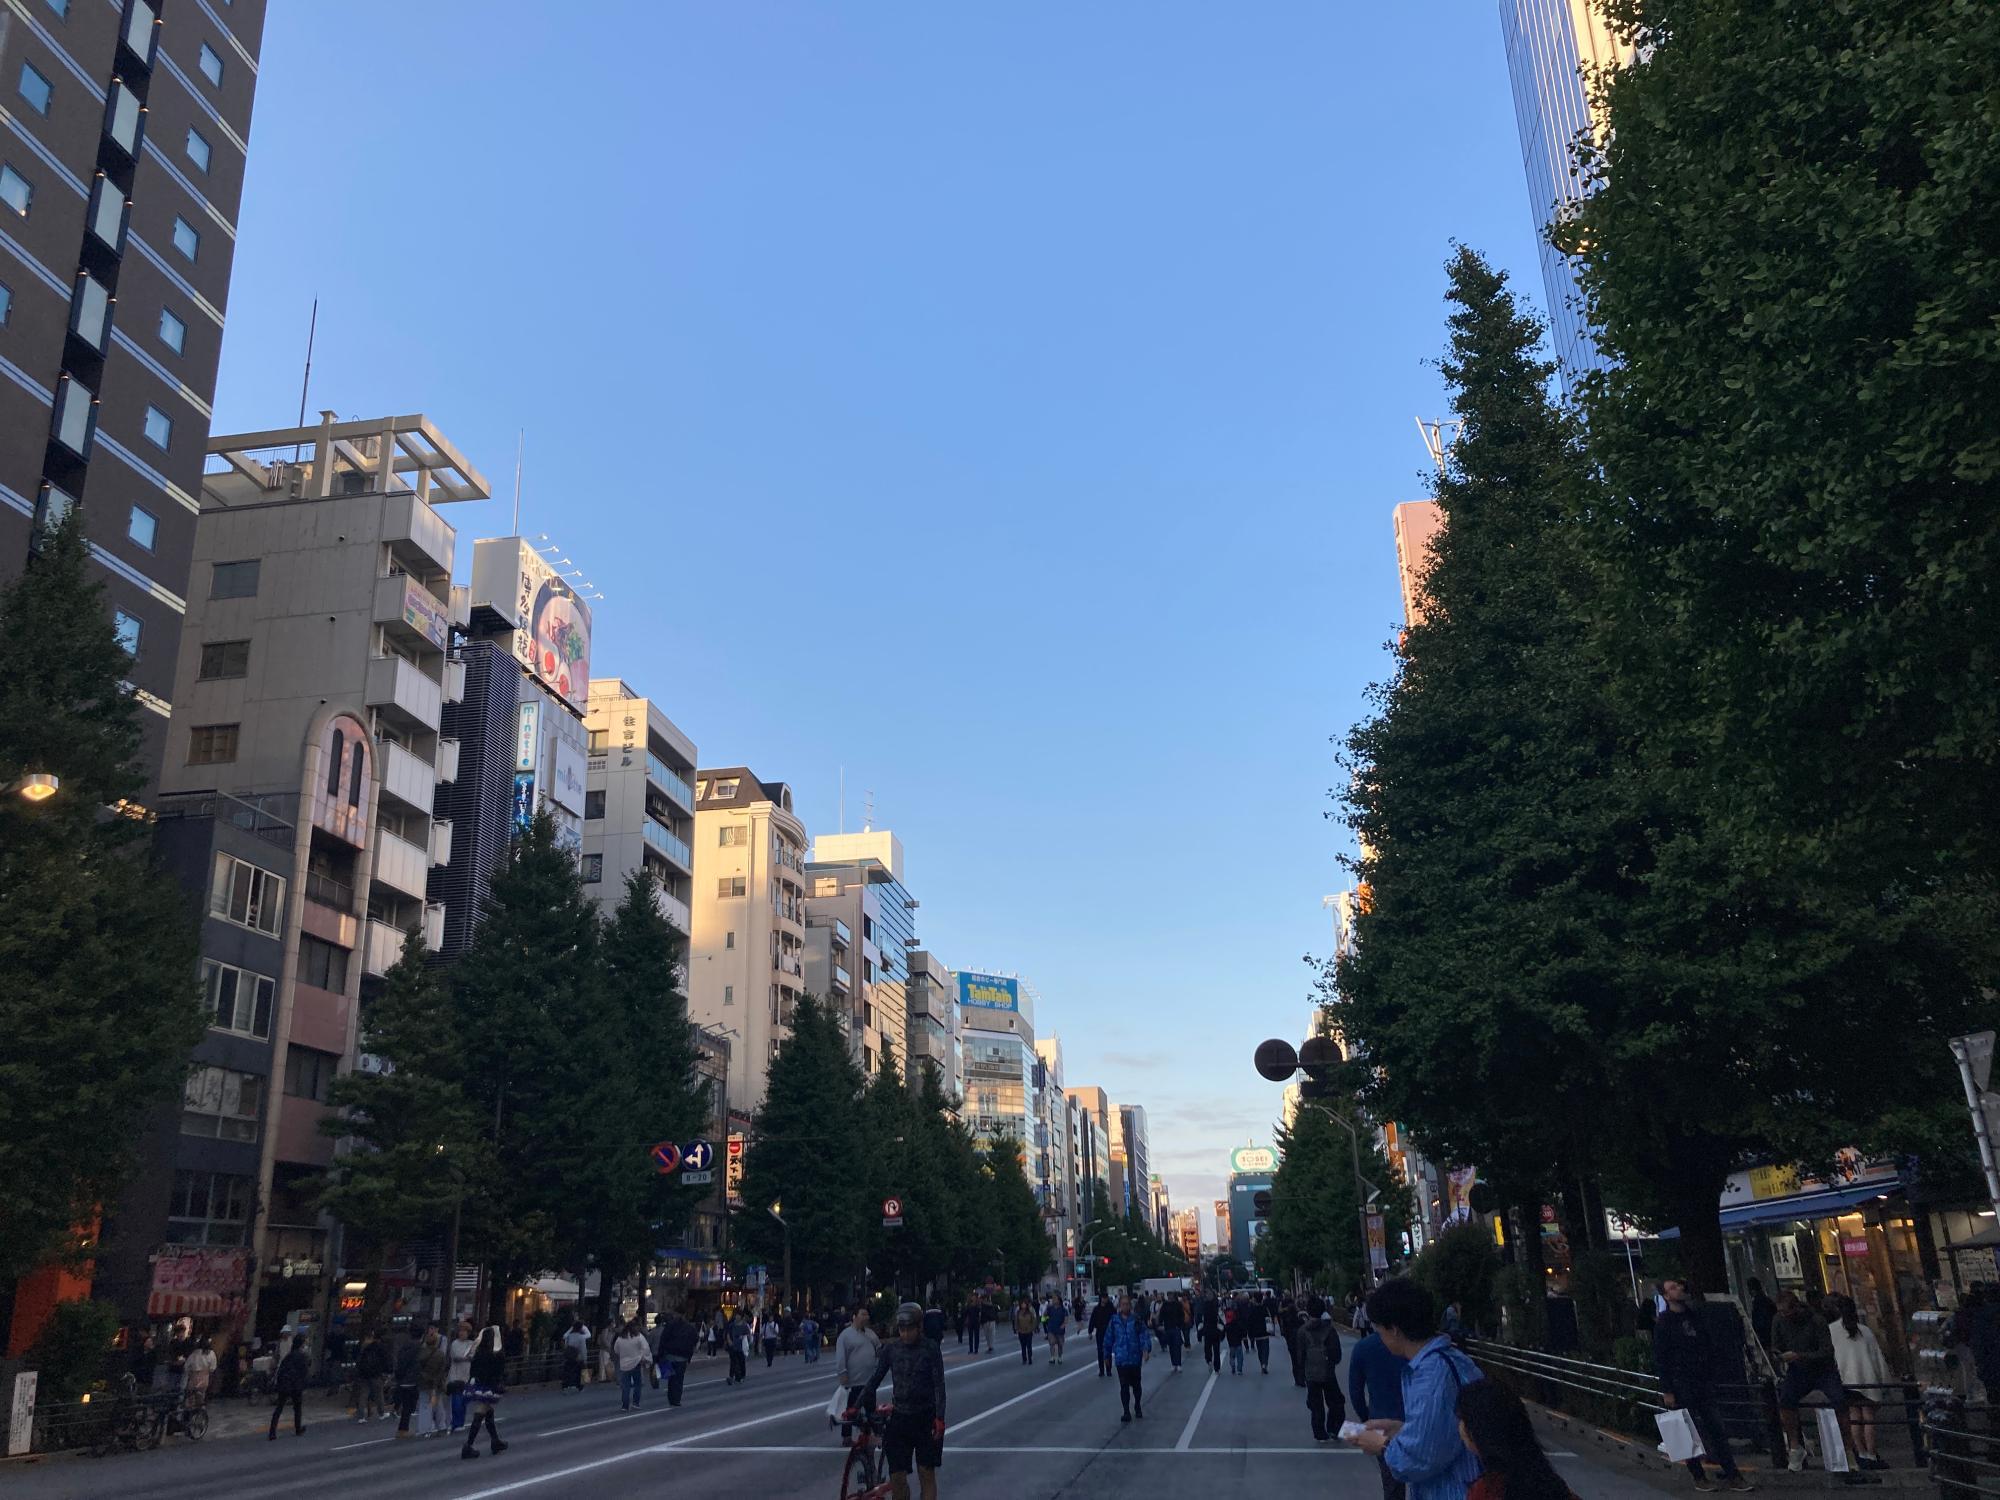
(1802, 1205)
(191, 1304)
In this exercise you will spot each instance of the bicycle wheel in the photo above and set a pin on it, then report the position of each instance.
(196, 1424)
(863, 1472)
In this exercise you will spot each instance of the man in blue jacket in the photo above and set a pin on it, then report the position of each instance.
(1129, 1342)
(1375, 1389)
(1424, 1449)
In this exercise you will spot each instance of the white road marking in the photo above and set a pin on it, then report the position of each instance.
(991, 1411)
(1200, 1406)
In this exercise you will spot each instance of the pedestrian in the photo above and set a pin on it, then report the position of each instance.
(989, 1317)
(1375, 1389)
(484, 1390)
(1425, 1449)
(1129, 1342)
(1173, 1329)
(1357, 1316)
(371, 1375)
(196, 1372)
(1055, 1323)
(408, 1380)
(768, 1328)
(1684, 1359)
(739, 1349)
(855, 1354)
(631, 1354)
(1209, 1320)
(607, 1362)
(718, 1330)
(1315, 1350)
(678, 1338)
(1863, 1371)
(915, 1432)
(1454, 1323)
(433, 1380)
(1804, 1351)
(145, 1361)
(809, 1338)
(1290, 1320)
(1100, 1319)
(576, 1350)
(289, 1385)
(1026, 1324)
(1077, 1310)
(973, 1324)
(1260, 1332)
(1236, 1333)
(458, 1370)
(1762, 1311)
(934, 1325)
(1496, 1430)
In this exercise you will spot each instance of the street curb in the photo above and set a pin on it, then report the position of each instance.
(1649, 1465)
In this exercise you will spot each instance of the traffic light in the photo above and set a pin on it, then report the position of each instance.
(1261, 1201)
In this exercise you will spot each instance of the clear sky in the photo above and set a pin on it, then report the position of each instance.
(1002, 402)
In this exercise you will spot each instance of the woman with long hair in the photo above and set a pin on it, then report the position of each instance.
(488, 1384)
(1863, 1372)
(1496, 1428)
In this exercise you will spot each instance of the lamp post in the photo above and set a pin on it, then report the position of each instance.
(37, 786)
(1279, 1061)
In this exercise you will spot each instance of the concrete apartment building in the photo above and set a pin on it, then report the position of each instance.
(120, 174)
(1055, 1163)
(639, 802)
(301, 771)
(747, 932)
(934, 1039)
(1091, 1146)
(855, 880)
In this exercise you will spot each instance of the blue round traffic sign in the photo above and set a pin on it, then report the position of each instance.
(698, 1156)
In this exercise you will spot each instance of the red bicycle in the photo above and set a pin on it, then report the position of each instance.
(866, 1475)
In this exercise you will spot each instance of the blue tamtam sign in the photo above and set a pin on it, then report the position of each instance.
(698, 1156)
(666, 1157)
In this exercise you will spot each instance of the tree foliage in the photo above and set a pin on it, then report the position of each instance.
(1314, 1228)
(98, 946)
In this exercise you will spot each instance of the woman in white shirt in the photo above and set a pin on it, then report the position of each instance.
(1859, 1356)
(459, 1372)
(196, 1372)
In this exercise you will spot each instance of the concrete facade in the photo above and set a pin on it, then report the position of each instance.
(857, 880)
(639, 809)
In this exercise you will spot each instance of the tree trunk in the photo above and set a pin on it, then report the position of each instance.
(1532, 1264)
(1694, 1190)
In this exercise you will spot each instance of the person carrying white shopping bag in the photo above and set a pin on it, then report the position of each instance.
(1684, 1359)
(1804, 1351)
(1679, 1440)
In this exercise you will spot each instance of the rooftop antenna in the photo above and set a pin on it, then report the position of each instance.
(867, 811)
(520, 446)
(843, 799)
(312, 330)
(1440, 437)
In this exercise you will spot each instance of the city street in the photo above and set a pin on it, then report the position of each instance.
(1014, 1432)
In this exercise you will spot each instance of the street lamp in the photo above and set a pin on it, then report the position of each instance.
(1317, 1059)
(37, 786)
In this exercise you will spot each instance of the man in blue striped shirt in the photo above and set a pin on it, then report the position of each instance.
(1423, 1450)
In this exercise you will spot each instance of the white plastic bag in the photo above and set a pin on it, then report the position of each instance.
(1679, 1437)
(1832, 1452)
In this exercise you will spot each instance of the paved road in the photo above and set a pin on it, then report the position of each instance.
(1016, 1432)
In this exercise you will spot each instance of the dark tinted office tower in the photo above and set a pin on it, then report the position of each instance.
(479, 804)
(123, 128)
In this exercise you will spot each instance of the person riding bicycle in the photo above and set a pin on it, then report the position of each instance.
(915, 1429)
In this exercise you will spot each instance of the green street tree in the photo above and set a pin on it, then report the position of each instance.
(99, 1000)
(805, 1151)
(1019, 1238)
(1314, 1229)
(1788, 257)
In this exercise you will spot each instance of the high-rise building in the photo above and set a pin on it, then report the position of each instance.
(1131, 1165)
(120, 176)
(933, 1034)
(856, 880)
(1417, 522)
(1055, 1158)
(301, 771)
(638, 808)
(997, 1013)
(1090, 1150)
(1222, 1237)
(746, 942)
(1548, 43)
(1251, 1172)
(1161, 1207)
(1187, 1234)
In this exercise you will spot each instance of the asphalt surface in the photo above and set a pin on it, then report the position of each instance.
(1015, 1432)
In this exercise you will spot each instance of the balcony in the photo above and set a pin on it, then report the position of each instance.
(384, 945)
(411, 614)
(441, 842)
(397, 686)
(407, 777)
(401, 865)
(788, 964)
(461, 605)
(670, 782)
(418, 536)
(454, 682)
(447, 762)
(434, 926)
(673, 848)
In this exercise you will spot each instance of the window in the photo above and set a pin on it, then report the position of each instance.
(234, 580)
(221, 659)
(247, 895)
(197, 148)
(309, 1072)
(212, 744)
(209, 1208)
(6, 302)
(76, 414)
(60, 7)
(701, 791)
(210, 64)
(35, 89)
(336, 751)
(173, 332)
(600, 739)
(729, 994)
(237, 1000)
(142, 527)
(185, 239)
(90, 310)
(732, 885)
(593, 869)
(354, 777)
(322, 965)
(129, 631)
(725, 791)
(732, 836)
(159, 428)
(221, 1103)
(593, 804)
(16, 191)
(729, 940)
(107, 213)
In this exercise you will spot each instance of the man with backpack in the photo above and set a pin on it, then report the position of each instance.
(1315, 1350)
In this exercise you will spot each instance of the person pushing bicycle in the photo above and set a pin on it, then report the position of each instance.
(915, 1429)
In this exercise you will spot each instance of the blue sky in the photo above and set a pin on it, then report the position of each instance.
(1004, 403)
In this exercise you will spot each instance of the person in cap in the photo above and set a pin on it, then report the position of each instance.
(915, 1431)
